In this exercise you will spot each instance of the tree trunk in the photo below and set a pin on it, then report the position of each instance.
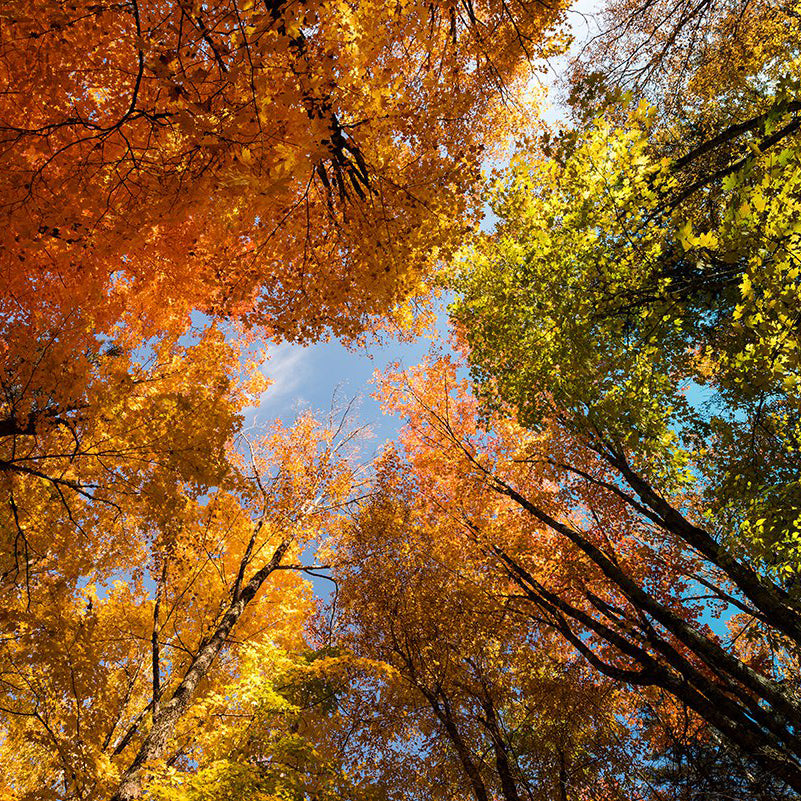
(155, 743)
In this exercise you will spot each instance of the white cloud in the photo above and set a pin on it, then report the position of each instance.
(287, 368)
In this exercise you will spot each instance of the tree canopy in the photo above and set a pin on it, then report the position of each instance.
(640, 297)
(298, 164)
(573, 576)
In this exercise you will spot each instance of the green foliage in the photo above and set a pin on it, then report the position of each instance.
(655, 321)
(264, 738)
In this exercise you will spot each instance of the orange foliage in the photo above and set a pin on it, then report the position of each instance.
(300, 164)
(496, 703)
(114, 635)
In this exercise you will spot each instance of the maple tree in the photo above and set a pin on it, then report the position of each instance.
(495, 705)
(278, 731)
(102, 680)
(164, 158)
(297, 163)
(701, 62)
(640, 298)
(179, 179)
(722, 78)
(614, 565)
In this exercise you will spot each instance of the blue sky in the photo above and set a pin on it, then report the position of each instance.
(319, 377)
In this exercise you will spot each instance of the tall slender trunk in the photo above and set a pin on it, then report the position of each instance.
(501, 751)
(442, 710)
(562, 776)
(156, 740)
